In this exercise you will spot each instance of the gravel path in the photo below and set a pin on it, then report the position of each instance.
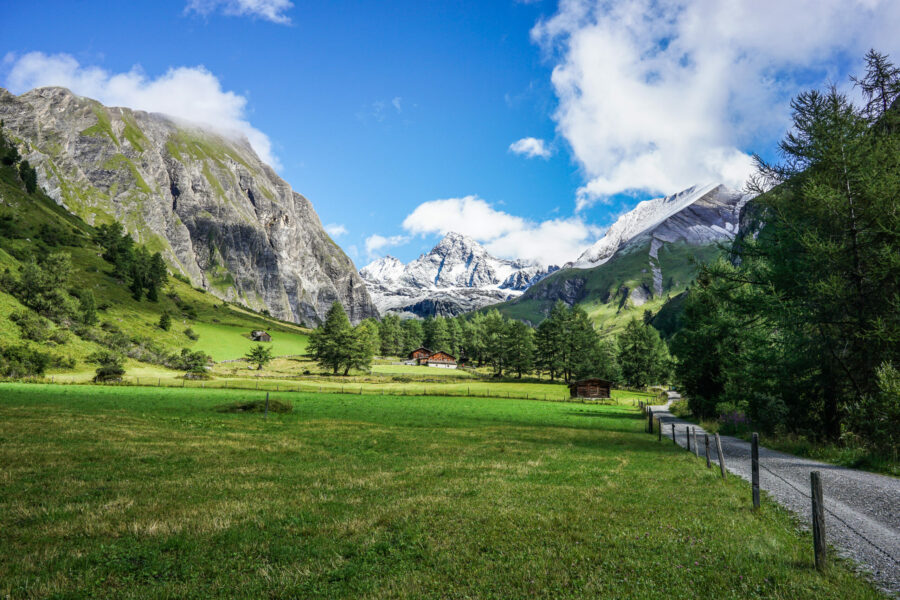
(854, 500)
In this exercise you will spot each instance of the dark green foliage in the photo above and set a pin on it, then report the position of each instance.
(144, 273)
(337, 345)
(28, 176)
(391, 336)
(22, 361)
(643, 356)
(437, 335)
(413, 334)
(112, 365)
(567, 346)
(165, 321)
(42, 286)
(802, 332)
(87, 308)
(193, 362)
(259, 355)
(191, 334)
(519, 340)
(32, 326)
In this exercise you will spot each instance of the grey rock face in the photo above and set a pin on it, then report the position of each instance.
(457, 276)
(218, 214)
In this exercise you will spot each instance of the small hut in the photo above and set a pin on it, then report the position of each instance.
(590, 388)
(260, 336)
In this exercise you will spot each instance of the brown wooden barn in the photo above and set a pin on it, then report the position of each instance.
(440, 359)
(260, 336)
(590, 388)
(419, 354)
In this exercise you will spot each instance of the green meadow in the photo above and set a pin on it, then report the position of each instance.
(139, 492)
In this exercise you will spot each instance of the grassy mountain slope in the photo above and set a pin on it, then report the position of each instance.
(617, 290)
(33, 225)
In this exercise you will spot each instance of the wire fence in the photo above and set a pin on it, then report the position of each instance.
(656, 426)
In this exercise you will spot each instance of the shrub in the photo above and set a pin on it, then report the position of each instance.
(32, 326)
(191, 334)
(165, 321)
(22, 361)
(112, 365)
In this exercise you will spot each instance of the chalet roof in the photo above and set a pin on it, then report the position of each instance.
(421, 348)
(591, 380)
(447, 354)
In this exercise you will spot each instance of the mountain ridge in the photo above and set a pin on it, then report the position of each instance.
(218, 214)
(456, 276)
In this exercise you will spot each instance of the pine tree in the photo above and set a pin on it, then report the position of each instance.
(519, 351)
(165, 321)
(87, 309)
(363, 346)
(259, 355)
(331, 344)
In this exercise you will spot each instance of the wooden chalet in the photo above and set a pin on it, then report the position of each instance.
(420, 353)
(590, 388)
(440, 359)
(260, 336)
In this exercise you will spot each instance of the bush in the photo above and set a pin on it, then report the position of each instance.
(875, 418)
(191, 334)
(165, 321)
(32, 326)
(112, 365)
(22, 361)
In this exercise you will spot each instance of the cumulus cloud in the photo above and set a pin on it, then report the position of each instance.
(268, 10)
(657, 95)
(189, 93)
(376, 243)
(335, 229)
(554, 241)
(531, 148)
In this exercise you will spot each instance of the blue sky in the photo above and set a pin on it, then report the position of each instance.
(376, 110)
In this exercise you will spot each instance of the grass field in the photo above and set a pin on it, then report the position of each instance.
(225, 342)
(145, 493)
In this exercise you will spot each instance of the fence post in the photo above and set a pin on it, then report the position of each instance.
(687, 437)
(708, 462)
(673, 434)
(696, 445)
(650, 420)
(754, 460)
(721, 456)
(818, 521)
(267, 405)
(658, 430)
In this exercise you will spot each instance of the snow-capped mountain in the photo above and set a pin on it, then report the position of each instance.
(458, 275)
(648, 254)
(719, 220)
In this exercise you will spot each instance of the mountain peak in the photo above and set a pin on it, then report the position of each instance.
(671, 213)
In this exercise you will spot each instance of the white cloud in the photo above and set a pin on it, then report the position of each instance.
(335, 229)
(376, 243)
(554, 241)
(398, 103)
(658, 95)
(269, 10)
(531, 147)
(190, 93)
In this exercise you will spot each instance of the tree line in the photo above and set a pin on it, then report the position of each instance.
(799, 328)
(565, 346)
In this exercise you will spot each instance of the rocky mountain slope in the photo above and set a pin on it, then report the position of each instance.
(457, 276)
(649, 254)
(219, 215)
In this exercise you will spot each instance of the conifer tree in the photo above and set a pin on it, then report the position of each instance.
(331, 344)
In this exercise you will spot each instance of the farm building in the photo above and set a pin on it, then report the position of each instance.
(590, 388)
(260, 336)
(440, 359)
(420, 353)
